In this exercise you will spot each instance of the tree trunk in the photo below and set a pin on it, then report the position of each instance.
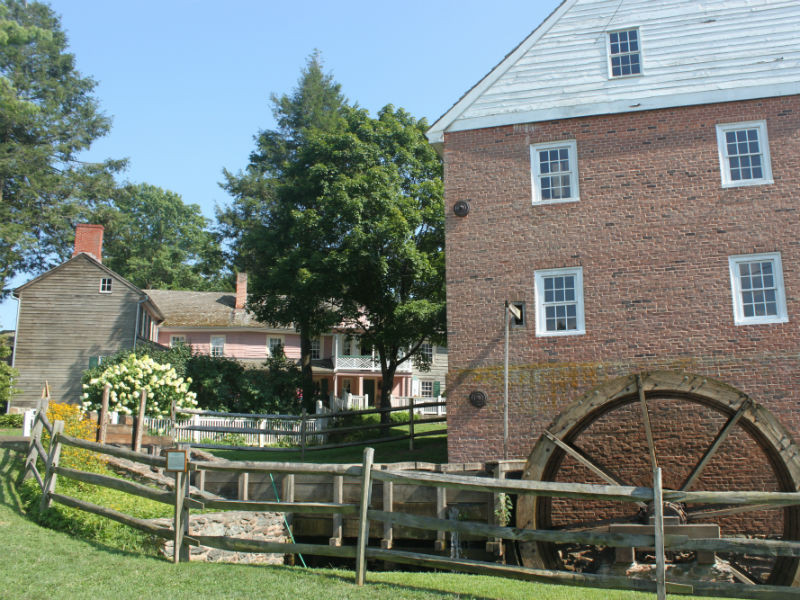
(387, 373)
(305, 369)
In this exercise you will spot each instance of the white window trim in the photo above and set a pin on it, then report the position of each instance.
(724, 164)
(110, 285)
(211, 345)
(173, 339)
(321, 346)
(736, 292)
(572, 145)
(275, 337)
(541, 325)
(607, 42)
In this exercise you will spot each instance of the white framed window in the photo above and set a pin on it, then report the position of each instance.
(559, 302)
(217, 345)
(426, 350)
(175, 340)
(426, 389)
(554, 169)
(757, 289)
(744, 154)
(273, 342)
(105, 285)
(316, 349)
(624, 53)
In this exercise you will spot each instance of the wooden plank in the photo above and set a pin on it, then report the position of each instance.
(53, 456)
(243, 545)
(177, 528)
(292, 507)
(712, 449)
(646, 421)
(658, 524)
(129, 487)
(36, 435)
(695, 515)
(363, 520)
(243, 484)
(338, 498)
(154, 461)
(476, 529)
(140, 524)
(411, 425)
(542, 488)
(388, 507)
(759, 547)
(35, 472)
(441, 514)
(587, 491)
(277, 467)
(139, 427)
(37, 444)
(102, 429)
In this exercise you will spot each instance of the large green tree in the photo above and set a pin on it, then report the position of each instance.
(290, 280)
(156, 241)
(48, 115)
(375, 211)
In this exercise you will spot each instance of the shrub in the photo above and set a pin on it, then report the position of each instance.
(132, 375)
(397, 418)
(6, 372)
(11, 420)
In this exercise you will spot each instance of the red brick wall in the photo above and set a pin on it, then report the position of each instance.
(653, 231)
(89, 239)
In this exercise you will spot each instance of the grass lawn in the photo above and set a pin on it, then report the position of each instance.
(431, 448)
(10, 431)
(39, 563)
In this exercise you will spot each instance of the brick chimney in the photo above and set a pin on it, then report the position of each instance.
(89, 239)
(241, 290)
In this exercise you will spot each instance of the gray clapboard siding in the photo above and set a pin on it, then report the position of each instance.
(64, 320)
(693, 52)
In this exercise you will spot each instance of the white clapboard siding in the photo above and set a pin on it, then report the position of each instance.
(694, 52)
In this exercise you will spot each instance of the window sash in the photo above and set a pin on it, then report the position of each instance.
(217, 345)
(625, 53)
(559, 302)
(555, 173)
(757, 289)
(105, 285)
(316, 349)
(744, 154)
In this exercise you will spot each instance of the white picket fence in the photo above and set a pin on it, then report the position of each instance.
(424, 410)
(191, 430)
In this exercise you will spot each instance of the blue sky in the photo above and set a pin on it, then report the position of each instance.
(187, 82)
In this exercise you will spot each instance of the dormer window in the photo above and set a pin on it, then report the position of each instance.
(624, 53)
(105, 285)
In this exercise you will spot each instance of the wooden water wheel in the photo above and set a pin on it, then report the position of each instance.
(703, 434)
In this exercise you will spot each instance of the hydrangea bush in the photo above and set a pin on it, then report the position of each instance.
(129, 377)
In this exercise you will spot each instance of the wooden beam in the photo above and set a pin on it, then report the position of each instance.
(338, 522)
(243, 545)
(129, 487)
(658, 525)
(323, 508)
(651, 446)
(363, 519)
(153, 461)
(50, 476)
(277, 467)
(584, 460)
(694, 515)
(712, 449)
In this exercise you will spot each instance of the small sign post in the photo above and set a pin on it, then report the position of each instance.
(178, 463)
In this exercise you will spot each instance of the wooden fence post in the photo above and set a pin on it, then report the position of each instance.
(244, 483)
(137, 437)
(178, 519)
(338, 498)
(661, 567)
(363, 521)
(53, 456)
(102, 430)
(388, 506)
(303, 418)
(411, 423)
(36, 436)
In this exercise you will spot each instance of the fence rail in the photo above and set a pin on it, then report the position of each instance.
(367, 474)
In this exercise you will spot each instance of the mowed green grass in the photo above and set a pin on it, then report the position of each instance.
(432, 448)
(39, 563)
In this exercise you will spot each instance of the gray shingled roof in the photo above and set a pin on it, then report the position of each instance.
(201, 309)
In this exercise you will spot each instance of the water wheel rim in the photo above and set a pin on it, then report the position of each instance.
(763, 427)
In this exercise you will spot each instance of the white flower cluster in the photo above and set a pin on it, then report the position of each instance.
(134, 374)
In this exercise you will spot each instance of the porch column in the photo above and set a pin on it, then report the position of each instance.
(360, 385)
(335, 385)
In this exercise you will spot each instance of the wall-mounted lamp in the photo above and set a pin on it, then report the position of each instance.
(461, 208)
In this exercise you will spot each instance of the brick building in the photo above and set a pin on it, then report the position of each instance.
(631, 172)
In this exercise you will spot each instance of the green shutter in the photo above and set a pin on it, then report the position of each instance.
(93, 361)
(437, 387)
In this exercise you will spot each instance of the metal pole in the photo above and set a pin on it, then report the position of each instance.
(505, 387)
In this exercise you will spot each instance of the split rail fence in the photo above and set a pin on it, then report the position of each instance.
(184, 499)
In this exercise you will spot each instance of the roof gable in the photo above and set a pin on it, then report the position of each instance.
(693, 52)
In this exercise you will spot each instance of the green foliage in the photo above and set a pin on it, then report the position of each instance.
(131, 376)
(11, 420)
(289, 277)
(395, 418)
(156, 241)
(7, 373)
(371, 194)
(504, 506)
(226, 385)
(49, 116)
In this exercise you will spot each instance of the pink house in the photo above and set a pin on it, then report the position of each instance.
(217, 323)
